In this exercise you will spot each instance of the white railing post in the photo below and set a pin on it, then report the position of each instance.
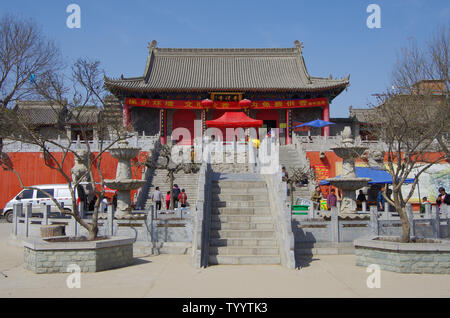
(427, 210)
(28, 216)
(110, 220)
(436, 221)
(374, 220)
(17, 210)
(364, 207)
(45, 209)
(335, 224)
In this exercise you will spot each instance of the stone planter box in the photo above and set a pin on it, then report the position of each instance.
(431, 258)
(42, 256)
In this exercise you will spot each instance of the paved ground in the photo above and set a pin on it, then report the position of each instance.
(173, 277)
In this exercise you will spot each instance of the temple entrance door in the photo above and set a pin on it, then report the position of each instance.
(184, 119)
(269, 117)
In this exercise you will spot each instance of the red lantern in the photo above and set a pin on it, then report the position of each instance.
(207, 103)
(245, 103)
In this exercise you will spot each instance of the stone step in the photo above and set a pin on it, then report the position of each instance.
(226, 250)
(244, 260)
(242, 234)
(241, 226)
(240, 204)
(241, 218)
(239, 191)
(243, 242)
(239, 197)
(239, 184)
(240, 211)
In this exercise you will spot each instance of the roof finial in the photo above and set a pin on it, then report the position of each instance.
(298, 45)
(152, 45)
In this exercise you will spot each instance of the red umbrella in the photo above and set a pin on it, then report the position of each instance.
(234, 120)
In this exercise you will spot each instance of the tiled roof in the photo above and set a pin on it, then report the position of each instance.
(362, 115)
(278, 69)
(42, 113)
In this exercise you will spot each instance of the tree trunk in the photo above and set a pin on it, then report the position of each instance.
(93, 231)
(400, 207)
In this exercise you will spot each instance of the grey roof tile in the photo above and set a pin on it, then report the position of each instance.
(279, 69)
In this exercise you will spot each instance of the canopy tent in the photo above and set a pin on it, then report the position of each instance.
(378, 176)
(234, 120)
(316, 123)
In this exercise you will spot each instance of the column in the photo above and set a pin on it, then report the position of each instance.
(326, 117)
(126, 115)
(288, 126)
(163, 125)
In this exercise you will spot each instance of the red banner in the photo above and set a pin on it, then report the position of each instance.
(196, 104)
(322, 172)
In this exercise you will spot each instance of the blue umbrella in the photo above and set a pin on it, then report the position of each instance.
(316, 123)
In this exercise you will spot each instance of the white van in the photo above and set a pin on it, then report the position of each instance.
(60, 192)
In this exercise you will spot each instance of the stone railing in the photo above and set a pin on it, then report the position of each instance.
(146, 143)
(279, 202)
(202, 218)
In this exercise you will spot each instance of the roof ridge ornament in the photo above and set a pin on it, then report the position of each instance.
(299, 45)
(152, 45)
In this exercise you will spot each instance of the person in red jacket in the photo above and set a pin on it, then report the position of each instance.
(183, 198)
(167, 200)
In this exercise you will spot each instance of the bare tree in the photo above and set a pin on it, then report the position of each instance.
(25, 54)
(166, 161)
(412, 117)
(83, 111)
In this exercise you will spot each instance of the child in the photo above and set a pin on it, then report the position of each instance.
(167, 200)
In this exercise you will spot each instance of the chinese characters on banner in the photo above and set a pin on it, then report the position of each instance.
(322, 172)
(196, 104)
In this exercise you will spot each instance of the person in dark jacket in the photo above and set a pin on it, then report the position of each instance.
(443, 198)
(176, 194)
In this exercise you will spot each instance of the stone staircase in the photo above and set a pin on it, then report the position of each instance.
(242, 228)
(189, 182)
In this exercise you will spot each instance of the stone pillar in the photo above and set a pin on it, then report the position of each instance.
(110, 222)
(374, 220)
(17, 212)
(73, 224)
(334, 224)
(427, 210)
(45, 210)
(364, 206)
(436, 222)
(28, 215)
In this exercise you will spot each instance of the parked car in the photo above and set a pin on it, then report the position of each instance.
(60, 192)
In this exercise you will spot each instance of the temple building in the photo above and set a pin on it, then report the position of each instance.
(181, 85)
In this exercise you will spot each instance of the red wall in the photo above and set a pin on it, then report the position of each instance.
(33, 171)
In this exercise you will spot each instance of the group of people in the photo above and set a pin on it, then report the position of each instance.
(332, 198)
(179, 197)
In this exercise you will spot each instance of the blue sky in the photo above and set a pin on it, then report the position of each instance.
(334, 33)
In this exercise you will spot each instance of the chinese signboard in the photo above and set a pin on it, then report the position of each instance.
(196, 104)
(322, 172)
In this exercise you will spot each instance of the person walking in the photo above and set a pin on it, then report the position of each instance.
(176, 194)
(157, 198)
(331, 199)
(381, 200)
(167, 200)
(183, 198)
(316, 197)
